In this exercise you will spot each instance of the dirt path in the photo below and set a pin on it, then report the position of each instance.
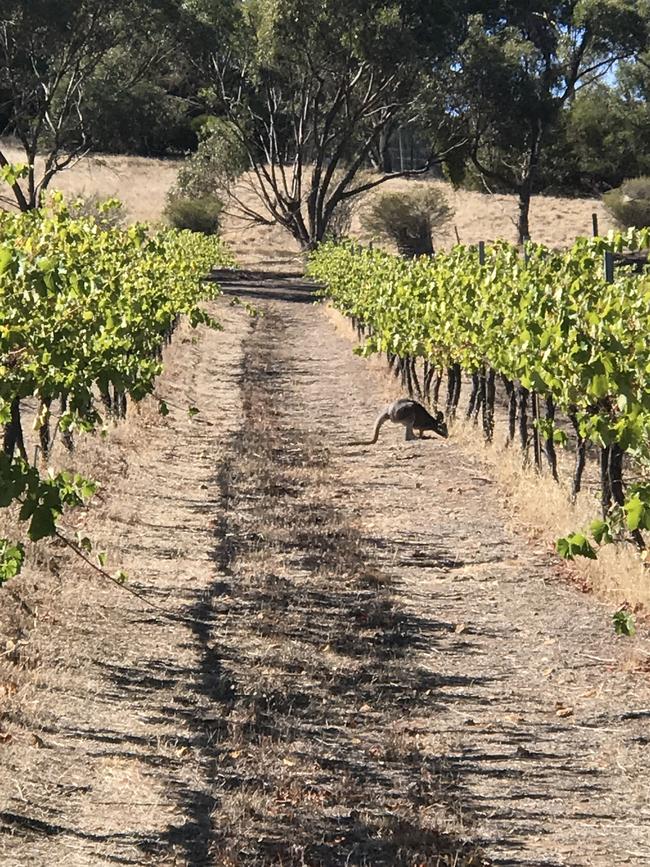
(373, 671)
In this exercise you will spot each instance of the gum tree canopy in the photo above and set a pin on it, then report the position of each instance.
(309, 86)
(520, 65)
(49, 51)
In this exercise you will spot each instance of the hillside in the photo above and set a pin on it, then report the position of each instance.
(142, 185)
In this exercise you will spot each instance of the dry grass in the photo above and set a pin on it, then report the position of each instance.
(94, 746)
(545, 511)
(268, 735)
(315, 656)
(355, 683)
(142, 185)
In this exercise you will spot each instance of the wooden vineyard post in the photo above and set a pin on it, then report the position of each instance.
(486, 381)
(605, 467)
(594, 224)
(608, 266)
(534, 399)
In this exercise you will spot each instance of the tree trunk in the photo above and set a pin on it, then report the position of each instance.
(66, 435)
(488, 404)
(537, 441)
(522, 408)
(523, 228)
(525, 190)
(512, 409)
(605, 483)
(44, 432)
(385, 156)
(473, 398)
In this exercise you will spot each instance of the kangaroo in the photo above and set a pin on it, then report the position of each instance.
(413, 416)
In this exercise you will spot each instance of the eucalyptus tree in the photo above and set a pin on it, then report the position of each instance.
(49, 51)
(520, 66)
(309, 88)
(607, 131)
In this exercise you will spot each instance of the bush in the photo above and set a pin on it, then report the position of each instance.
(107, 213)
(407, 218)
(629, 204)
(200, 214)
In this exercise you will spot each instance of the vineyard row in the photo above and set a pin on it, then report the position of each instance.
(85, 311)
(549, 326)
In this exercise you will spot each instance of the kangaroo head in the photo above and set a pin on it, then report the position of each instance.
(441, 425)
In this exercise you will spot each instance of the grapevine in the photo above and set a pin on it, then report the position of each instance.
(85, 311)
(558, 335)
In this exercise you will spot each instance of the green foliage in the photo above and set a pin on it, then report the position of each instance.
(125, 112)
(517, 69)
(56, 58)
(407, 217)
(553, 324)
(575, 545)
(13, 172)
(12, 556)
(197, 215)
(601, 531)
(313, 88)
(637, 507)
(280, 33)
(85, 307)
(620, 521)
(630, 203)
(604, 138)
(623, 622)
(107, 213)
(217, 164)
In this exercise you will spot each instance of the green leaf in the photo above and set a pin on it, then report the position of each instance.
(13, 172)
(600, 531)
(12, 556)
(563, 548)
(192, 411)
(624, 623)
(6, 255)
(559, 437)
(599, 385)
(575, 545)
(163, 409)
(42, 523)
(85, 544)
(637, 512)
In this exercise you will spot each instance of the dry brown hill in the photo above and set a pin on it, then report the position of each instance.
(142, 185)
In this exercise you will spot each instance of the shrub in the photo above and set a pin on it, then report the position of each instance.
(107, 213)
(407, 217)
(200, 214)
(629, 204)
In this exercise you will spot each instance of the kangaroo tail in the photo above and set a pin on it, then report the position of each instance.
(378, 423)
(384, 417)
